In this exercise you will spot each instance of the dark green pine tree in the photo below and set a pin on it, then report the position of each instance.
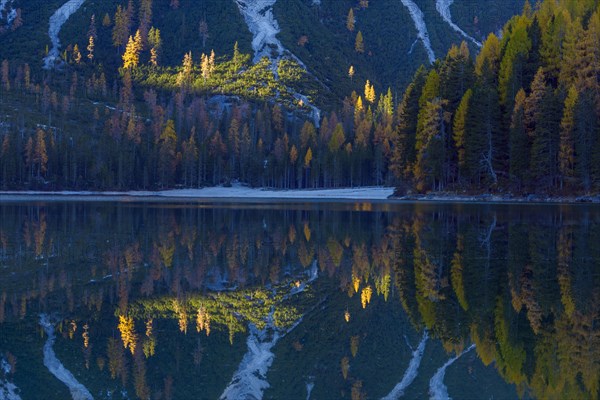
(519, 147)
(428, 170)
(586, 132)
(456, 77)
(485, 142)
(459, 132)
(542, 116)
(404, 139)
(566, 156)
(513, 65)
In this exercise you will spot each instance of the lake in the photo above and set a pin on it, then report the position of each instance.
(298, 300)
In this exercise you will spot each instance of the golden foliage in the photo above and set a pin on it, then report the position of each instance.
(203, 321)
(128, 335)
(365, 296)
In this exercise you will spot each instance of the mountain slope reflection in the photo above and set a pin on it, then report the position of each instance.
(156, 301)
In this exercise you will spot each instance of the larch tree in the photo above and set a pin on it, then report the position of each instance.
(369, 92)
(40, 155)
(76, 54)
(120, 30)
(566, 155)
(131, 57)
(359, 44)
(203, 31)
(167, 154)
(90, 49)
(155, 43)
(404, 140)
(350, 20)
(459, 130)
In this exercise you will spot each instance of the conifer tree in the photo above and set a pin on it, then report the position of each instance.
(90, 49)
(566, 156)
(120, 30)
(542, 120)
(106, 20)
(428, 170)
(518, 143)
(131, 57)
(359, 44)
(369, 92)
(76, 54)
(513, 65)
(155, 43)
(460, 130)
(404, 153)
(350, 20)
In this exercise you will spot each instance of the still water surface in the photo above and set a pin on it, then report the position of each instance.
(298, 300)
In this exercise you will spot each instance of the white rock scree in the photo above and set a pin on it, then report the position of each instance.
(250, 380)
(261, 22)
(419, 19)
(443, 8)
(78, 391)
(7, 13)
(57, 20)
(437, 388)
(411, 372)
(8, 390)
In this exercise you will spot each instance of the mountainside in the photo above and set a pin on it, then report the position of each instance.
(300, 94)
(315, 32)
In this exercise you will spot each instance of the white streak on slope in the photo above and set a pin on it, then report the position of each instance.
(443, 8)
(8, 390)
(258, 15)
(263, 26)
(411, 372)
(10, 12)
(250, 380)
(56, 22)
(437, 389)
(419, 20)
(78, 391)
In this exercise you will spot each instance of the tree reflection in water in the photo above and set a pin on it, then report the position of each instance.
(151, 294)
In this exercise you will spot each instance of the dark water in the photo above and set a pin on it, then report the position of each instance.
(348, 301)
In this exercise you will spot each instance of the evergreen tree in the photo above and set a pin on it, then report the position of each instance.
(518, 143)
(460, 131)
(513, 65)
(566, 156)
(404, 152)
(359, 44)
(350, 20)
(428, 169)
(542, 118)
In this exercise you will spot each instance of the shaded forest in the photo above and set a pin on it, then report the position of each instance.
(521, 116)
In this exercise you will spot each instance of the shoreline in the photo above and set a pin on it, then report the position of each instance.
(236, 193)
(243, 194)
(498, 198)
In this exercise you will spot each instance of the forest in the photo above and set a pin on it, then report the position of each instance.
(519, 282)
(520, 116)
